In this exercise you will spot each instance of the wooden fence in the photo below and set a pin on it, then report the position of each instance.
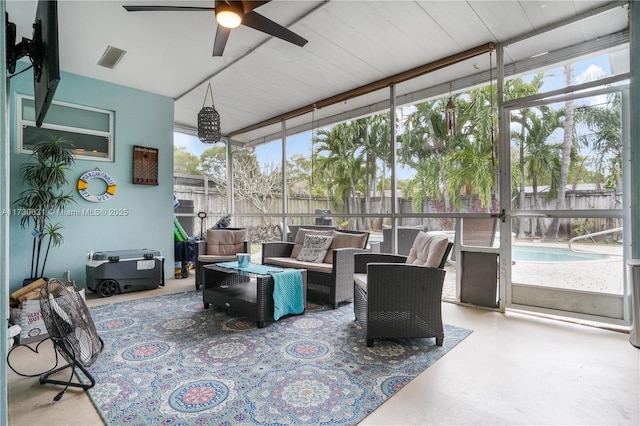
(199, 194)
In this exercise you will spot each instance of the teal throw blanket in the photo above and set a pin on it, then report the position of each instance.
(287, 293)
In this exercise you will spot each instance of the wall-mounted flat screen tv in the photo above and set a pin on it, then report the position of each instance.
(46, 72)
(43, 51)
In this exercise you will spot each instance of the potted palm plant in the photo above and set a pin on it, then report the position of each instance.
(45, 197)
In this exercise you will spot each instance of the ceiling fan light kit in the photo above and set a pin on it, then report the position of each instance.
(229, 15)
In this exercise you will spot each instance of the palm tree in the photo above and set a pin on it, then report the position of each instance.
(567, 145)
(374, 134)
(423, 133)
(423, 146)
(338, 166)
(541, 158)
(514, 89)
(471, 167)
(426, 183)
(604, 138)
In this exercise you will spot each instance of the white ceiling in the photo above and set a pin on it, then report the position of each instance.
(351, 43)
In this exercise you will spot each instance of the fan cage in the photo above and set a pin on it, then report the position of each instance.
(69, 322)
(209, 125)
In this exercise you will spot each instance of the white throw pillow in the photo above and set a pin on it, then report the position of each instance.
(314, 248)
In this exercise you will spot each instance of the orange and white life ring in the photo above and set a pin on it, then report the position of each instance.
(83, 183)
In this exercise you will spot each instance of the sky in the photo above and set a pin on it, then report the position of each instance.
(297, 144)
(584, 70)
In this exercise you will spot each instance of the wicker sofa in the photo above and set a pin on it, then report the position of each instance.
(331, 280)
(292, 230)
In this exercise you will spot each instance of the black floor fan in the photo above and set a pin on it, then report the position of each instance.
(72, 331)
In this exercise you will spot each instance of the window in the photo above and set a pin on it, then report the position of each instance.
(89, 129)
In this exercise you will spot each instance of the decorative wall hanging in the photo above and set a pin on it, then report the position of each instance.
(450, 115)
(209, 121)
(145, 165)
(83, 184)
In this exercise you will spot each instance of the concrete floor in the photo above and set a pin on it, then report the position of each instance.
(511, 370)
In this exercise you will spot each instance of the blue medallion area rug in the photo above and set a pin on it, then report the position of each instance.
(169, 361)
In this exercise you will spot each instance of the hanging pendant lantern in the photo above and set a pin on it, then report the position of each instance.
(209, 121)
(450, 117)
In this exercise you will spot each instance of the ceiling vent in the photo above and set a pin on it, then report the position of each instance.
(111, 57)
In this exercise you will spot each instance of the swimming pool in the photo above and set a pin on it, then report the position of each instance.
(550, 254)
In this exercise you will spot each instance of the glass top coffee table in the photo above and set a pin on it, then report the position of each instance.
(247, 291)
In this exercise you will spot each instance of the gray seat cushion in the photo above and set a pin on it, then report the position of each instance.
(289, 262)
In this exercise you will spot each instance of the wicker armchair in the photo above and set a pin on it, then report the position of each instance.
(399, 296)
(222, 245)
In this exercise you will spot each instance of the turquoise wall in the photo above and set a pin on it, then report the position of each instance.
(141, 118)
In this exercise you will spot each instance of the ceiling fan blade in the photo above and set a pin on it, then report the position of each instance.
(222, 34)
(249, 5)
(266, 25)
(166, 8)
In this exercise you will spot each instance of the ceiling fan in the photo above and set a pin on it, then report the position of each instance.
(230, 14)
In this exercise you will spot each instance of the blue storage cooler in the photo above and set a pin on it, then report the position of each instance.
(123, 271)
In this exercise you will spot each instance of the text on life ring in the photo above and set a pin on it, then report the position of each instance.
(83, 183)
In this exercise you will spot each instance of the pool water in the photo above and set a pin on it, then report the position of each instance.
(547, 254)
